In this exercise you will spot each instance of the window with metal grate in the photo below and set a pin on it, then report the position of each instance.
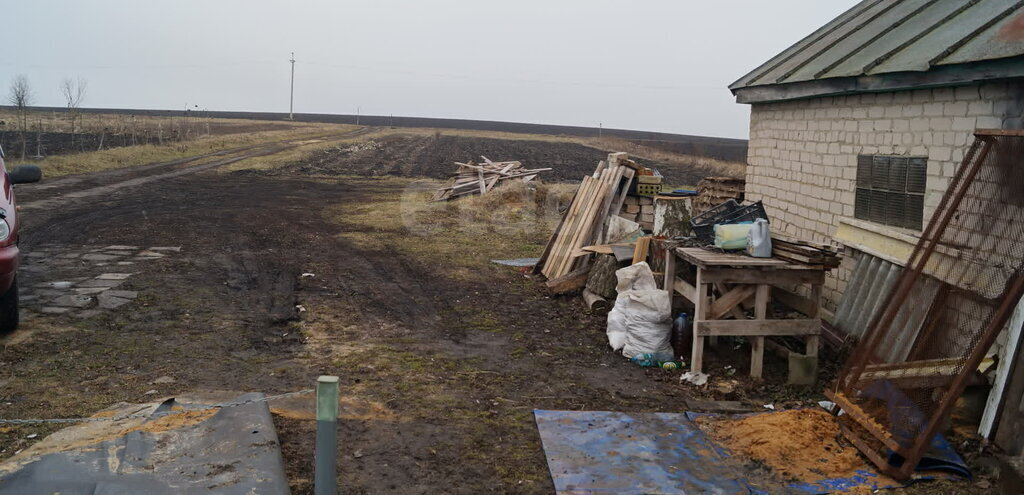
(890, 190)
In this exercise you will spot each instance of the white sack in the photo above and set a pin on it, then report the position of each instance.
(641, 320)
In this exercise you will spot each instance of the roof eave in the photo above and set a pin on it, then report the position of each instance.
(940, 76)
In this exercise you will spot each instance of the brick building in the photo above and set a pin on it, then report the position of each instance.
(891, 84)
(856, 130)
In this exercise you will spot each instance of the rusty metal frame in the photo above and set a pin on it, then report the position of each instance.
(882, 321)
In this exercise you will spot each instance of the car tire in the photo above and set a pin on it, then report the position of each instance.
(9, 309)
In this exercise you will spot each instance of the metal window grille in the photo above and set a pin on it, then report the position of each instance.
(969, 265)
(890, 190)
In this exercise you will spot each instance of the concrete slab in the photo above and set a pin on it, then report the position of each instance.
(113, 276)
(127, 294)
(107, 301)
(101, 283)
(151, 254)
(53, 310)
(173, 249)
(87, 313)
(89, 291)
(74, 301)
(99, 257)
(120, 247)
(50, 293)
(59, 285)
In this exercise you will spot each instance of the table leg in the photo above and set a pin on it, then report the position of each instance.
(812, 345)
(700, 308)
(813, 341)
(761, 298)
(670, 272)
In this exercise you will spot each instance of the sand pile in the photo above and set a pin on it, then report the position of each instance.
(798, 445)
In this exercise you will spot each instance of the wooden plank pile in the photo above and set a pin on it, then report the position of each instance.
(804, 252)
(585, 223)
(472, 178)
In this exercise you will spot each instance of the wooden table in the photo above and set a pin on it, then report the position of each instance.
(743, 280)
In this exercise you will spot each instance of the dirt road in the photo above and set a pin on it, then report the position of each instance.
(52, 193)
(439, 375)
(442, 355)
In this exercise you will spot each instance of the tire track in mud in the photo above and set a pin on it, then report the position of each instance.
(135, 178)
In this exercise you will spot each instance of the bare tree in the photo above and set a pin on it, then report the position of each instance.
(21, 97)
(73, 93)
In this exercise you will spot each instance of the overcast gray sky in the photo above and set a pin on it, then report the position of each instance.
(646, 64)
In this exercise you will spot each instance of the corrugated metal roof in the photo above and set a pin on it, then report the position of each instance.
(879, 37)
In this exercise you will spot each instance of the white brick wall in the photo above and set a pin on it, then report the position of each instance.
(803, 154)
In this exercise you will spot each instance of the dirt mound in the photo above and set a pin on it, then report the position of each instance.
(801, 444)
(434, 156)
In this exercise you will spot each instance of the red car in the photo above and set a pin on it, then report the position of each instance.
(9, 240)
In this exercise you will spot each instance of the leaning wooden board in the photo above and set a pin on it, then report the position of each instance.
(583, 234)
(569, 223)
(575, 232)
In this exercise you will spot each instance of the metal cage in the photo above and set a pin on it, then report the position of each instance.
(901, 383)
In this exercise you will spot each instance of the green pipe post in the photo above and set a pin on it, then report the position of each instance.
(325, 471)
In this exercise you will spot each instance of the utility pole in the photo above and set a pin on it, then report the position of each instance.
(291, 99)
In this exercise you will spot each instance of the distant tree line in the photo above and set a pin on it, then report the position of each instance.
(22, 97)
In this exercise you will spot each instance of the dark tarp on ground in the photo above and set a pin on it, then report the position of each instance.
(235, 451)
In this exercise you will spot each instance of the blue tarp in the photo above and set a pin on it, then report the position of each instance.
(600, 452)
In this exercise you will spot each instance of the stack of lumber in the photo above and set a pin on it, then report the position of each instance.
(473, 178)
(586, 221)
(804, 252)
(713, 191)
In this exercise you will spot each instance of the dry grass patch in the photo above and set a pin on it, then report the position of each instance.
(513, 221)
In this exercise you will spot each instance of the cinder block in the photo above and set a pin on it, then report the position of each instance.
(803, 369)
